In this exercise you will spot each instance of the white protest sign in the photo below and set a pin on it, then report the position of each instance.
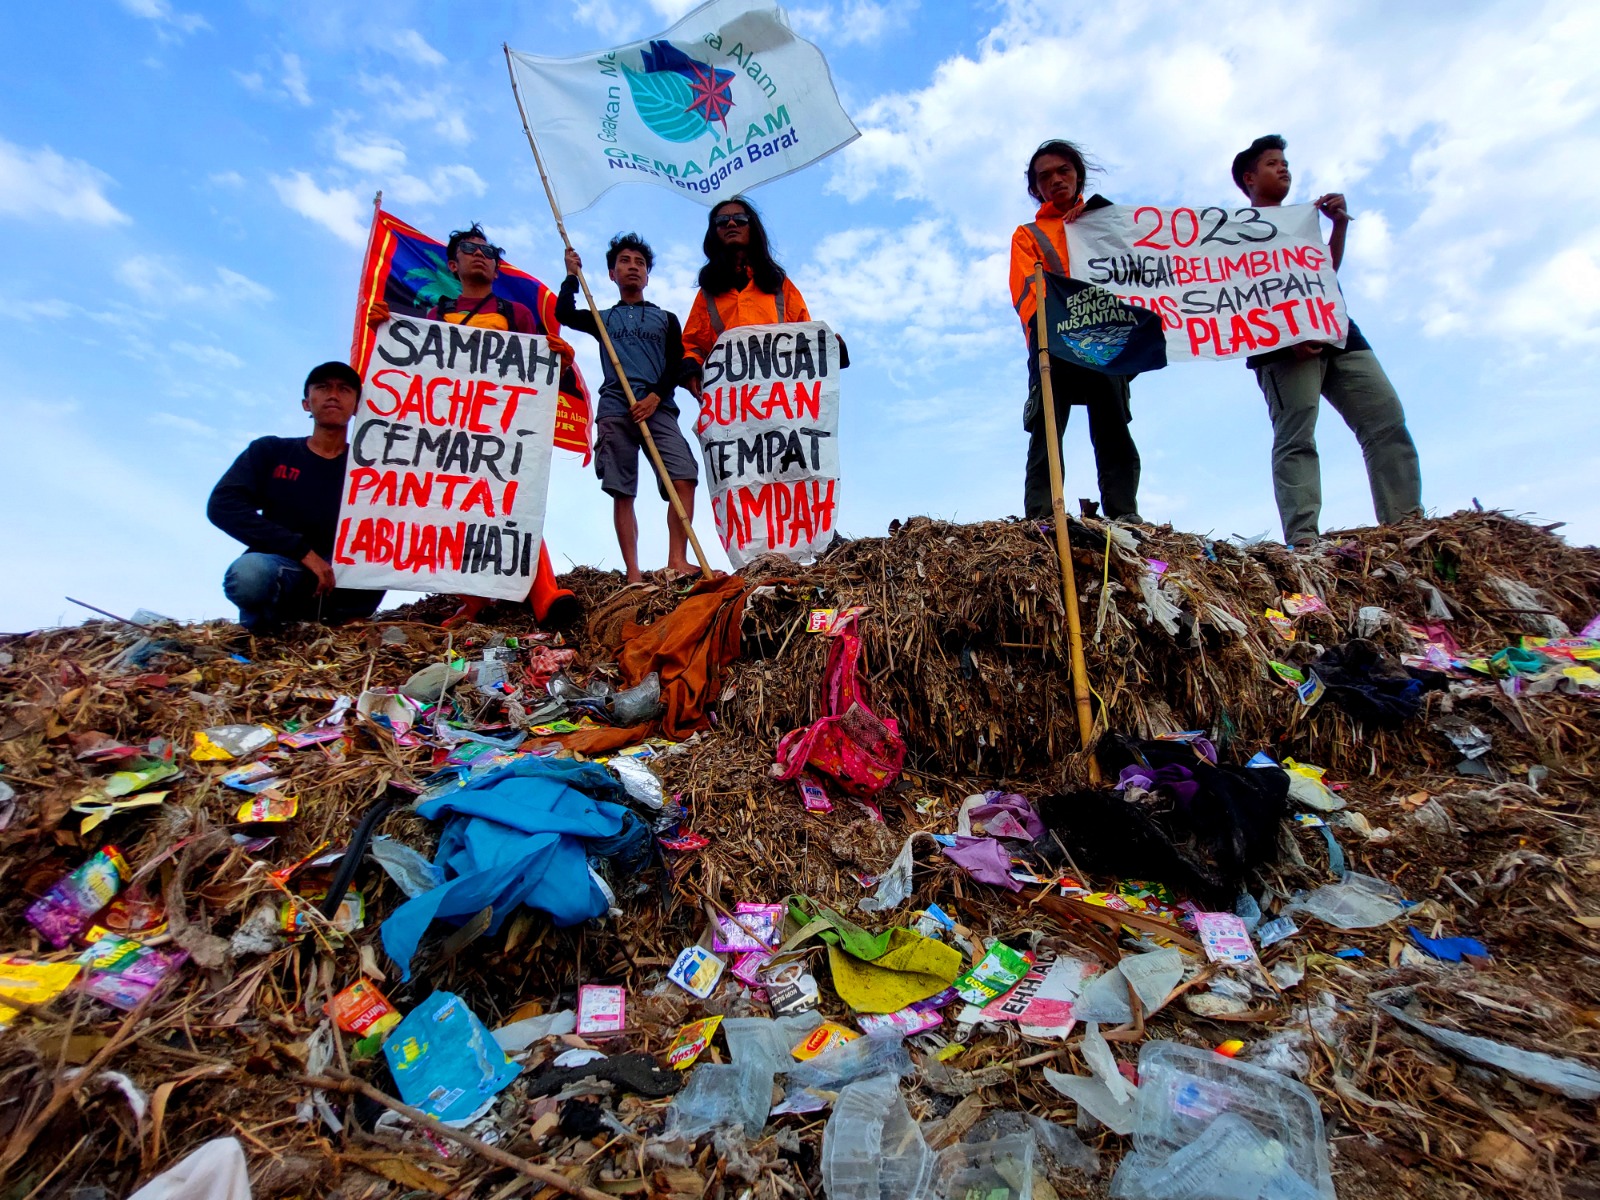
(1227, 283)
(769, 434)
(449, 462)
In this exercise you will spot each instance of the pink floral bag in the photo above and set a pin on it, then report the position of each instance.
(852, 745)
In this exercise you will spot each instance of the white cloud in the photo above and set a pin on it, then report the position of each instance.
(184, 424)
(251, 81)
(226, 179)
(441, 185)
(1502, 108)
(208, 356)
(158, 282)
(294, 79)
(405, 101)
(373, 155)
(408, 43)
(171, 24)
(42, 185)
(338, 210)
(862, 22)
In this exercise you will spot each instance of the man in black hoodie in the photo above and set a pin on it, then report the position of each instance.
(281, 499)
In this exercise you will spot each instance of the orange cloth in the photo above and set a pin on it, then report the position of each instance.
(690, 647)
(1025, 251)
(747, 306)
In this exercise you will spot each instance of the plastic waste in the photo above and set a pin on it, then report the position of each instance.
(894, 885)
(1153, 976)
(1001, 1169)
(216, 1170)
(1271, 1129)
(519, 1035)
(445, 1062)
(412, 873)
(765, 1040)
(1058, 1148)
(635, 705)
(231, 741)
(1355, 902)
(1105, 1095)
(1308, 791)
(1564, 1075)
(1369, 619)
(1247, 910)
(872, 1149)
(639, 781)
(720, 1094)
(858, 1059)
(1230, 1160)
(426, 685)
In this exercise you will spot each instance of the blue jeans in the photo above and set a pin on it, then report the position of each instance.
(270, 590)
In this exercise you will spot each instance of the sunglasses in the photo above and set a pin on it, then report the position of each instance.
(478, 248)
(732, 220)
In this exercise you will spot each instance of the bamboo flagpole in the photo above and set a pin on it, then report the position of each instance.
(1069, 588)
(361, 329)
(605, 335)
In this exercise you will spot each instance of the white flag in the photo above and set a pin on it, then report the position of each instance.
(726, 99)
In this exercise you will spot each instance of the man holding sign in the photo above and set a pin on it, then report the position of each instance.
(1295, 378)
(449, 461)
(281, 499)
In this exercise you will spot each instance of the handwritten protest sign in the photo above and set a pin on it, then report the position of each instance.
(1226, 282)
(449, 462)
(768, 429)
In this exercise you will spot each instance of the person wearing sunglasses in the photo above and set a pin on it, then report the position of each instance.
(1055, 179)
(740, 284)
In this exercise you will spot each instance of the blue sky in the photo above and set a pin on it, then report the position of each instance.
(185, 189)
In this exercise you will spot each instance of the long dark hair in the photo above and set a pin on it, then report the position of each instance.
(1061, 148)
(720, 274)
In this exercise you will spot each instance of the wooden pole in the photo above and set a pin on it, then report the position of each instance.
(605, 336)
(1069, 589)
(339, 1081)
(362, 329)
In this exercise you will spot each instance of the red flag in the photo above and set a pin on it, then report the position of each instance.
(406, 268)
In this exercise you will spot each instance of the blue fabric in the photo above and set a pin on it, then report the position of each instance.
(516, 836)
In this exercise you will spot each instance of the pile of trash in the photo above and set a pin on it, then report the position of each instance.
(797, 883)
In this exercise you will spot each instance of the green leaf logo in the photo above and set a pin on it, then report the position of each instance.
(662, 99)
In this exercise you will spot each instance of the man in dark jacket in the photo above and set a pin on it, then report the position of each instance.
(649, 343)
(281, 499)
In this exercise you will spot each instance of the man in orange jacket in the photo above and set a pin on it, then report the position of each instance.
(1055, 179)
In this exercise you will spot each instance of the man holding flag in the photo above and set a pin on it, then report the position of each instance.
(467, 280)
(725, 100)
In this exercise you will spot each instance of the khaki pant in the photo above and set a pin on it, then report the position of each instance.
(1359, 391)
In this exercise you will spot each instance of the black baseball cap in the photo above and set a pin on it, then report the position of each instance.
(332, 372)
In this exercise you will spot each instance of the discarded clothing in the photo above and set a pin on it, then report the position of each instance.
(1202, 835)
(520, 835)
(1368, 684)
(689, 648)
(999, 814)
(985, 859)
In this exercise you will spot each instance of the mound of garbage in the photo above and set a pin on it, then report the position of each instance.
(799, 883)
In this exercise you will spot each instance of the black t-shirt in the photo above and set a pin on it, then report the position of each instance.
(280, 497)
(1355, 341)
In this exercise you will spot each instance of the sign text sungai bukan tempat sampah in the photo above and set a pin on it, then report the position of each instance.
(768, 429)
(1226, 282)
(449, 461)
(726, 99)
